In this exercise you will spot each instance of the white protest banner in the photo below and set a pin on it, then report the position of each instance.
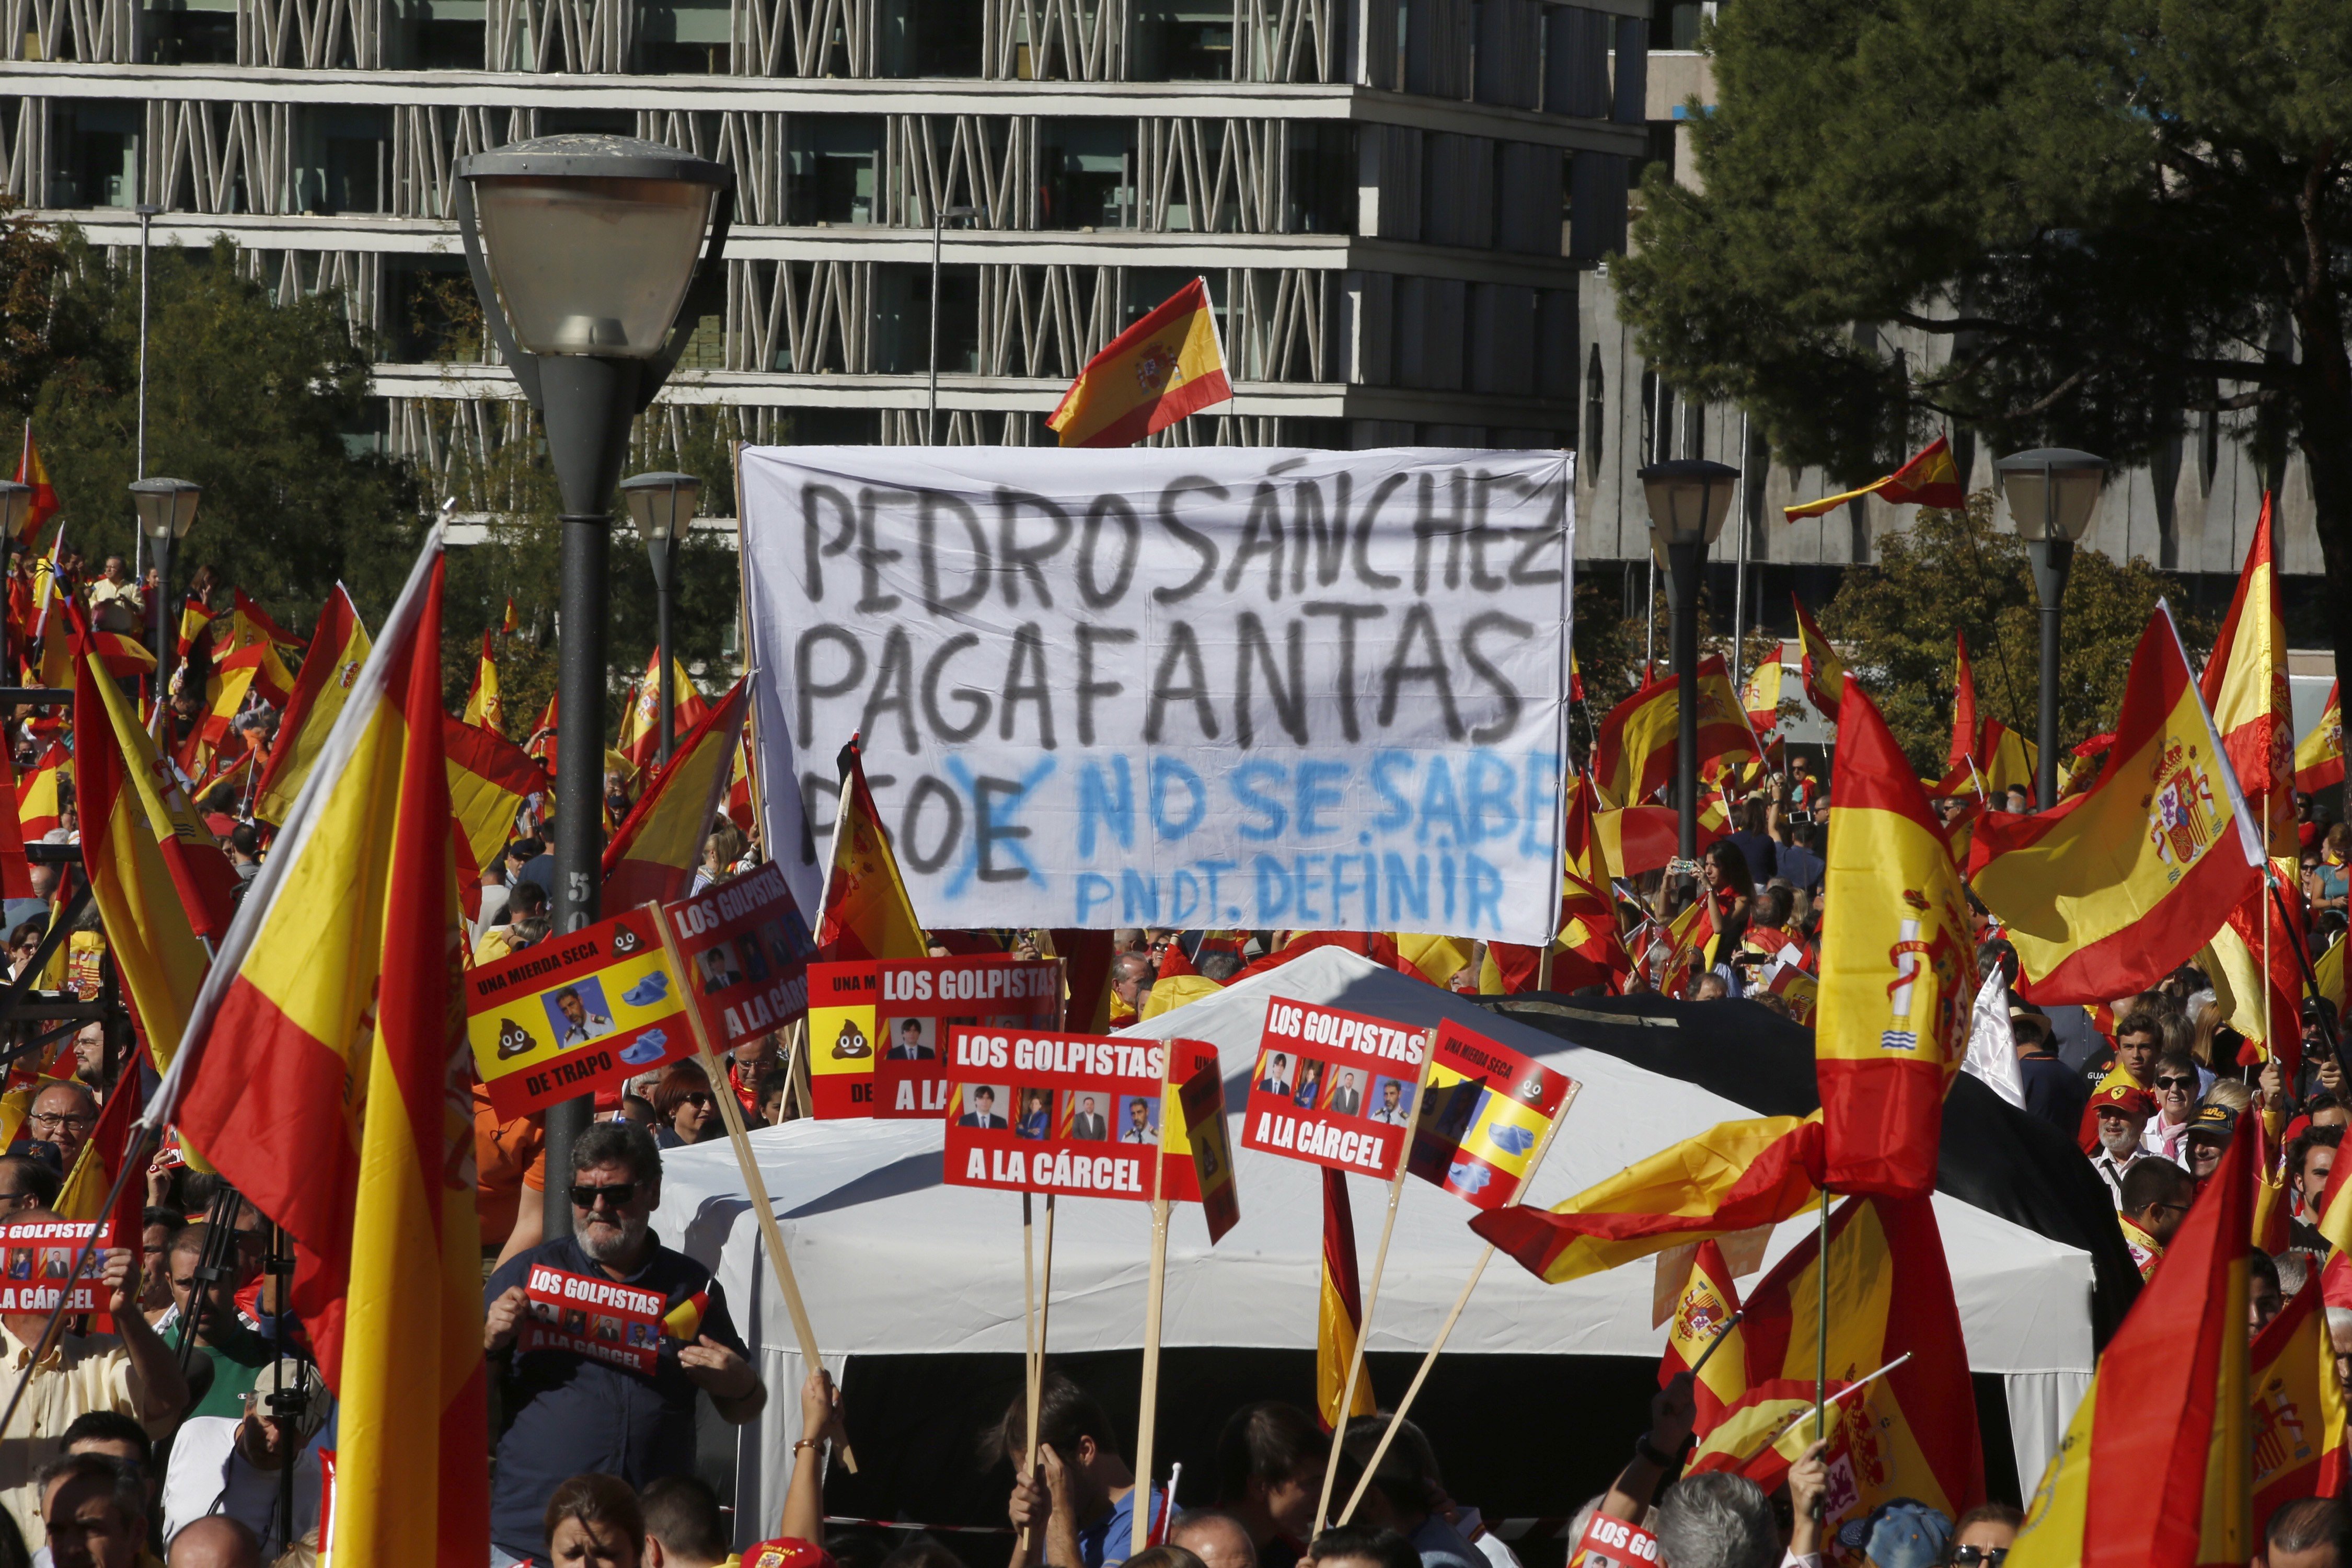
(1218, 687)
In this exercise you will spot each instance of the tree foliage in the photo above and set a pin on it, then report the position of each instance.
(31, 260)
(1955, 572)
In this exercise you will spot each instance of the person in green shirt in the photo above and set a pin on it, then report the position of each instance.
(229, 1356)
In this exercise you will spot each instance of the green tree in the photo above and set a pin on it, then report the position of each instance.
(31, 261)
(2113, 211)
(248, 399)
(1954, 570)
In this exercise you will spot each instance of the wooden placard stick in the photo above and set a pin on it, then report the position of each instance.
(764, 1208)
(1372, 1291)
(1140, 1517)
(1446, 1329)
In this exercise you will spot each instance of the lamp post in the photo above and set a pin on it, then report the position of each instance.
(1689, 498)
(662, 506)
(2051, 492)
(167, 510)
(15, 503)
(939, 233)
(589, 250)
(147, 212)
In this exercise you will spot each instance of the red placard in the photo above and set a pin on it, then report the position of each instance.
(37, 1257)
(1203, 1097)
(1613, 1544)
(603, 1320)
(876, 1028)
(1485, 1111)
(746, 950)
(1334, 1088)
(1087, 1114)
(575, 1014)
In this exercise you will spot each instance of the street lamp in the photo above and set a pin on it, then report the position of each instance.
(1688, 498)
(2051, 492)
(148, 212)
(938, 231)
(662, 506)
(167, 510)
(589, 250)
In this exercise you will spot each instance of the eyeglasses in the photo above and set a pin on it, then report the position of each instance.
(618, 1194)
(2175, 1083)
(701, 1101)
(1979, 1556)
(55, 1120)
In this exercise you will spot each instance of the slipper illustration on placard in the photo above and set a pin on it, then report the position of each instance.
(1510, 1138)
(646, 1047)
(645, 992)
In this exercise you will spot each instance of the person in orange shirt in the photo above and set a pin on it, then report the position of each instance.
(509, 1160)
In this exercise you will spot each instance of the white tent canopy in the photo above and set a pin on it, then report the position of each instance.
(892, 1261)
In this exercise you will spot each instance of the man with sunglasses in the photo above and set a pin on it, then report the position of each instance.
(572, 1413)
(2156, 1199)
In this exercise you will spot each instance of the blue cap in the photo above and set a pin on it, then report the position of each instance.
(1903, 1533)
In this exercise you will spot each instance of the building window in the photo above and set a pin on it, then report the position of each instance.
(1674, 23)
(1182, 40)
(1085, 172)
(439, 35)
(95, 148)
(1321, 178)
(685, 38)
(902, 323)
(181, 33)
(831, 168)
(930, 38)
(339, 163)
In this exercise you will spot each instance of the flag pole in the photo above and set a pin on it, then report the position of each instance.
(1372, 1291)
(755, 1187)
(1821, 1357)
(1029, 1327)
(1140, 1518)
(1445, 1329)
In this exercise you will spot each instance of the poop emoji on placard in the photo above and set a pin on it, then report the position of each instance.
(850, 1042)
(514, 1040)
(648, 991)
(624, 941)
(646, 1047)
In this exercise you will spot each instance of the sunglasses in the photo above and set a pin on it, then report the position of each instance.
(1979, 1556)
(2175, 1083)
(618, 1194)
(702, 1101)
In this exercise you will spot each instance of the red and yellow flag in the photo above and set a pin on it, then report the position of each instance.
(194, 616)
(38, 798)
(1761, 699)
(1929, 478)
(489, 779)
(507, 624)
(315, 1078)
(1169, 365)
(542, 741)
(1640, 839)
(134, 824)
(1912, 1433)
(655, 851)
(483, 706)
(1898, 969)
(1987, 755)
(1734, 1176)
(1824, 671)
(2319, 755)
(2245, 687)
(2114, 888)
(340, 648)
(640, 737)
(867, 911)
(34, 473)
(2297, 1407)
(1339, 1312)
(1588, 914)
(1703, 1314)
(2155, 1470)
(1633, 757)
(15, 871)
(250, 624)
(2270, 1016)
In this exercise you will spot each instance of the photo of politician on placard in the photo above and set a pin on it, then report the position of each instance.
(1334, 1088)
(1077, 1115)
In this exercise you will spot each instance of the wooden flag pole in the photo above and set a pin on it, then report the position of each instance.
(764, 1208)
(1821, 1359)
(1372, 1291)
(1138, 1526)
(1042, 1305)
(1445, 1330)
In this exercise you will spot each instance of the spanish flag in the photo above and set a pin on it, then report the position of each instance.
(640, 737)
(1910, 1434)
(1929, 478)
(1734, 1176)
(2296, 1416)
(507, 625)
(655, 851)
(1169, 365)
(2319, 755)
(82, 1197)
(483, 707)
(1633, 757)
(194, 616)
(867, 911)
(1340, 1314)
(134, 824)
(250, 624)
(2154, 1470)
(1702, 1314)
(1588, 913)
(1987, 755)
(1824, 671)
(38, 807)
(340, 648)
(1897, 973)
(2269, 1016)
(1761, 700)
(2114, 888)
(15, 871)
(489, 781)
(315, 1076)
(2244, 685)
(34, 473)
(542, 741)
(1640, 839)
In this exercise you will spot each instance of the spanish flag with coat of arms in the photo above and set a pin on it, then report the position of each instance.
(1169, 365)
(2111, 891)
(1929, 478)
(866, 912)
(315, 1075)
(1897, 973)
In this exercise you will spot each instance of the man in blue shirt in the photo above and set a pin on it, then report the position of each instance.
(1800, 863)
(1083, 1494)
(576, 1412)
